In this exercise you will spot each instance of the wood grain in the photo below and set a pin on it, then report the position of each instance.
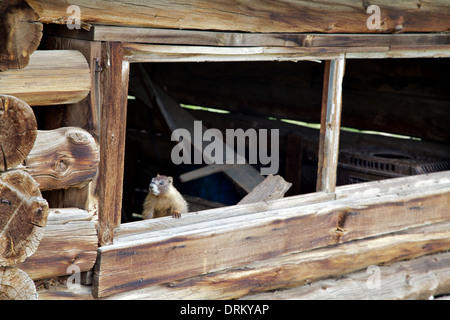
(52, 77)
(63, 158)
(23, 217)
(254, 16)
(70, 239)
(215, 245)
(20, 34)
(17, 131)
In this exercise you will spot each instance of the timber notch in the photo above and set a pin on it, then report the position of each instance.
(86, 119)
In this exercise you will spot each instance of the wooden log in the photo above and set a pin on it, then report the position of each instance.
(69, 242)
(216, 245)
(421, 278)
(17, 132)
(51, 77)
(273, 187)
(23, 217)
(63, 158)
(330, 125)
(15, 284)
(20, 34)
(256, 15)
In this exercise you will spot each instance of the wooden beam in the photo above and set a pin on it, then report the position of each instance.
(296, 269)
(114, 88)
(70, 240)
(51, 77)
(245, 39)
(330, 125)
(344, 16)
(230, 242)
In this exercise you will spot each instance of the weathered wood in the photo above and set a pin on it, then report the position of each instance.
(421, 278)
(51, 77)
(17, 132)
(114, 88)
(255, 16)
(69, 242)
(20, 34)
(330, 125)
(23, 216)
(216, 245)
(15, 284)
(63, 158)
(295, 269)
(245, 39)
(273, 187)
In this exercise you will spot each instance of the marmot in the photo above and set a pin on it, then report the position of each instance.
(163, 199)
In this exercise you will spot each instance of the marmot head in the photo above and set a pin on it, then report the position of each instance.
(160, 184)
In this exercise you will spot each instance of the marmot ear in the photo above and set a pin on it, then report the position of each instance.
(170, 179)
(157, 175)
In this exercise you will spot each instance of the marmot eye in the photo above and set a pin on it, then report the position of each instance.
(161, 183)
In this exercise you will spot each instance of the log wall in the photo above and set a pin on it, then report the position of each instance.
(255, 16)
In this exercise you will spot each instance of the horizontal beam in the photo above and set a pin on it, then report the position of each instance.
(135, 52)
(51, 77)
(229, 242)
(335, 16)
(245, 39)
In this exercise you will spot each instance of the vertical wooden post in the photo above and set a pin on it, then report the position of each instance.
(330, 125)
(114, 90)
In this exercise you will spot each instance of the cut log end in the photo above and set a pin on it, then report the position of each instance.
(17, 132)
(20, 34)
(15, 284)
(23, 214)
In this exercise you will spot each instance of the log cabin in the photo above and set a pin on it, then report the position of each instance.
(358, 96)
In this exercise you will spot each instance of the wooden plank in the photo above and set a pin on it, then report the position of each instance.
(114, 81)
(296, 269)
(343, 16)
(63, 158)
(417, 279)
(136, 52)
(273, 187)
(330, 125)
(70, 240)
(51, 77)
(225, 243)
(242, 39)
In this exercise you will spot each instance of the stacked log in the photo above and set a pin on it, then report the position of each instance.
(23, 211)
(20, 34)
